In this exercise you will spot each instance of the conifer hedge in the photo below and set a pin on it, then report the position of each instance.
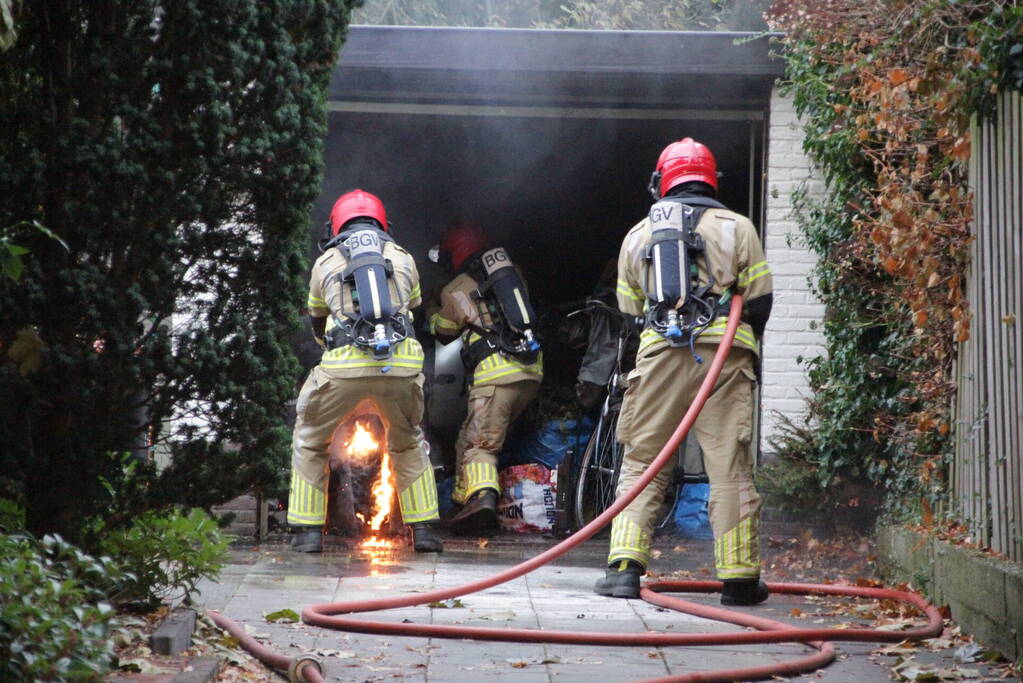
(175, 149)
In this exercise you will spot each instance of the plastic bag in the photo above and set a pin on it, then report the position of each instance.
(548, 444)
(527, 499)
(691, 520)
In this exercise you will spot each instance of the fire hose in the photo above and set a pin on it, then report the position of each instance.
(306, 669)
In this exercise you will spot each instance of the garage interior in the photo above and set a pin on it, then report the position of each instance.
(546, 138)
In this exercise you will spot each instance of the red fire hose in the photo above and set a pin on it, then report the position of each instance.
(768, 631)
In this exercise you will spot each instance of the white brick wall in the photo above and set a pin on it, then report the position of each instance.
(788, 334)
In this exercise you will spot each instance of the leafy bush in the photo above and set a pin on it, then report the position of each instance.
(886, 110)
(168, 553)
(53, 617)
(802, 482)
(12, 516)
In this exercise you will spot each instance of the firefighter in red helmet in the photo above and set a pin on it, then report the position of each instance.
(678, 269)
(361, 292)
(486, 304)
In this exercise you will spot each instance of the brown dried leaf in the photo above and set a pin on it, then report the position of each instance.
(898, 76)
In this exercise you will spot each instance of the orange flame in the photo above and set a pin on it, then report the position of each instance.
(383, 493)
(361, 444)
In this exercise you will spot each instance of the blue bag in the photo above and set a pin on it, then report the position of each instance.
(691, 520)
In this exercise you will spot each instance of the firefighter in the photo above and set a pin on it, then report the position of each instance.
(485, 304)
(678, 268)
(364, 284)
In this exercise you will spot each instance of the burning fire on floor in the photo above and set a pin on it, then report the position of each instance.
(362, 450)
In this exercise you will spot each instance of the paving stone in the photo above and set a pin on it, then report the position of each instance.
(272, 577)
(199, 670)
(174, 635)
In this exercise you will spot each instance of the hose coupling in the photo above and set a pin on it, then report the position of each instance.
(296, 670)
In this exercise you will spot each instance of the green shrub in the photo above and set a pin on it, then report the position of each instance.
(53, 615)
(168, 553)
(12, 516)
(800, 481)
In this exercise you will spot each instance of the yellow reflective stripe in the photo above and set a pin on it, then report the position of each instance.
(753, 272)
(416, 292)
(740, 335)
(437, 321)
(418, 502)
(316, 304)
(737, 552)
(479, 476)
(407, 354)
(625, 289)
(650, 337)
(629, 541)
(306, 504)
(488, 374)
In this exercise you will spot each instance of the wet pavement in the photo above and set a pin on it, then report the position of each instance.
(265, 579)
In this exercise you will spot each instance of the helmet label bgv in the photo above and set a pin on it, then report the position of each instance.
(363, 242)
(494, 259)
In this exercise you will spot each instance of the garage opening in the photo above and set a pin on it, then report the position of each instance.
(547, 139)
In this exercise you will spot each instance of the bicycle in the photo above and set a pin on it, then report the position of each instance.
(600, 467)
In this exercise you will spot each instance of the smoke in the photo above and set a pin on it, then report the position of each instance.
(558, 189)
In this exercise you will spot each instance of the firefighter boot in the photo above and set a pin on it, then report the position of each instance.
(308, 538)
(425, 539)
(743, 592)
(479, 515)
(621, 580)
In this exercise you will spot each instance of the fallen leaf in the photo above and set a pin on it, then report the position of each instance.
(258, 635)
(143, 666)
(285, 616)
(968, 653)
(451, 603)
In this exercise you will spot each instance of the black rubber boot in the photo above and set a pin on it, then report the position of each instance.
(425, 539)
(308, 539)
(478, 516)
(621, 580)
(743, 592)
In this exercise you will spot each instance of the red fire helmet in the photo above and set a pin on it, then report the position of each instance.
(462, 241)
(355, 204)
(684, 161)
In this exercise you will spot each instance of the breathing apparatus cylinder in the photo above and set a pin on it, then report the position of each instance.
(368, 273)
(669, 275)
(510, 297)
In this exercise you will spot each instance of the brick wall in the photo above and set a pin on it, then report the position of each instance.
(788, 336)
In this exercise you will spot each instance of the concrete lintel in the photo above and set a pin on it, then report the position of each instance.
(430, 109)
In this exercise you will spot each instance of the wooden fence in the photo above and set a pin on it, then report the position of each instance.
(987, 471)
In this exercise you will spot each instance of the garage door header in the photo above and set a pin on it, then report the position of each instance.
(526, 66)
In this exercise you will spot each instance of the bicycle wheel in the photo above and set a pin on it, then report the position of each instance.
(599, 469)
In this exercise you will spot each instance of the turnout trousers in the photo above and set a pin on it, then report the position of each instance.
(325, 401)
(492, 409)
(660, 391)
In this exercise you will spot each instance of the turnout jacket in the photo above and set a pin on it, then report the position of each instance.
(328, 297)
(458, 311)
(734, 257)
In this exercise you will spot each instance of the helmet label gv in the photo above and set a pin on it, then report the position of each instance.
(666, 215)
